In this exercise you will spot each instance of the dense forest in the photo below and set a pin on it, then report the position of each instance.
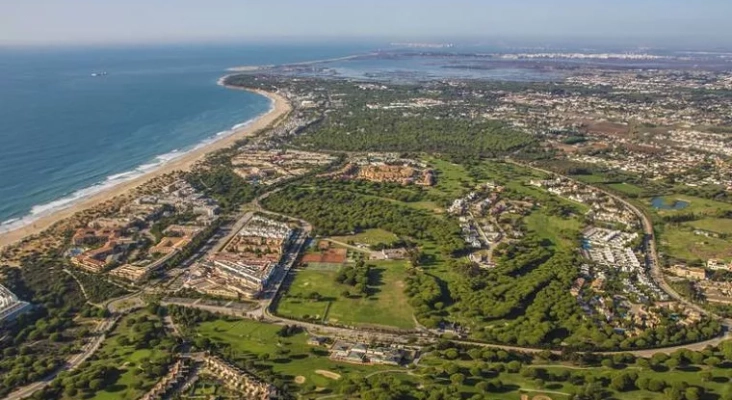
(526, 301)
(40, 340)
(136, 332)
(341, 213)
(362, 130)
(395, 191)
(223, 185)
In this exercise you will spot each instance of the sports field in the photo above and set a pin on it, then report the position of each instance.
(386, 306)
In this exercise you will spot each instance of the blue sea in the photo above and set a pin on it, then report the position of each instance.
(65, 134)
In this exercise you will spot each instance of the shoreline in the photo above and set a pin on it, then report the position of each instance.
(252, 68)
(280, 107)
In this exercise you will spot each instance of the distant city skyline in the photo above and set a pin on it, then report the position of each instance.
(54, 22)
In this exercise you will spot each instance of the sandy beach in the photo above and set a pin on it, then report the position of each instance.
(280, 107)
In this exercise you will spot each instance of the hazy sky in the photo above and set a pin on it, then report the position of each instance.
(131, 21)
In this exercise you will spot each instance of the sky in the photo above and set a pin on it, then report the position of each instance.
(51, 22)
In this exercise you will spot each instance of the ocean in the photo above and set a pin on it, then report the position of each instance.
(65, 134)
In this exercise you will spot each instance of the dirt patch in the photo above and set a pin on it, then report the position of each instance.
(605, 128)
(299, 379)
(329, 256)
(328, 374)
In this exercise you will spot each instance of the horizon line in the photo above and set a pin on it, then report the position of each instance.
(463, 40)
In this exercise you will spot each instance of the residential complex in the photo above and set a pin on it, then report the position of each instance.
(126, 243)
(246, 263)
(688, 272)
(386, 168)
(257, 164)
(611, 253)
(10, 305)
(603, 208)
(247, 384)
(481, 215)
(177, 373)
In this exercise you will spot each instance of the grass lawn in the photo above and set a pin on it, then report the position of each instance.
(426, 205)
(594, 178)
(369, 237)
(696, 205)
(682, 242)
(557, 229)
(387, 306)
(542, 195)
(250, 339)
(627, 188)
(718, 225)
(126, 359)
(719, 385)
(123, 388)
(515, 383)
(204, 388)
(452, 179)
(503, 173)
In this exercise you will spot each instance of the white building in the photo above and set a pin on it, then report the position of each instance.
(10, 305)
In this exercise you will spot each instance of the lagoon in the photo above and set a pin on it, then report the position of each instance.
(660, 203)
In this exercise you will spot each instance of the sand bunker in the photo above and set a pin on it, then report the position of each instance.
(328, 374)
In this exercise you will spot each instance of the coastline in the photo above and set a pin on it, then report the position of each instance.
(280, 107)
(251, 68)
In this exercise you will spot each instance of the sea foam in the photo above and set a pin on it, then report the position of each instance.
(42, 210)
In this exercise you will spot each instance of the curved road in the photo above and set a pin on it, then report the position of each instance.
(652, 263)
(651, 253)
(72, 363)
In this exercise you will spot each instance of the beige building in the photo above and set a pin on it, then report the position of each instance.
(689, 272)
(134, 273)
(242, 381)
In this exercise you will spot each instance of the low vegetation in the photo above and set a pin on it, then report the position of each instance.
(370, 296)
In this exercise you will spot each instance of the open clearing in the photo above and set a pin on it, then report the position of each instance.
(249, 340)
(627, 188)
(682, 242)
(556, 229)
(369, 237)
(696, 205)
(386, 306)
(718, 225)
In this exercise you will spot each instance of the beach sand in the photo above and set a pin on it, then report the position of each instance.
(280, 107)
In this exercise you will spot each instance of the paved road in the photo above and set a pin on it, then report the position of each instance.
(118, 307)
(652, 260)
(349, 246)
(264, 312)
(697, 346)
(134, 300)
(72, 363)
(126, 303)
(357, 334)
(233, 230)
(354, 334)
